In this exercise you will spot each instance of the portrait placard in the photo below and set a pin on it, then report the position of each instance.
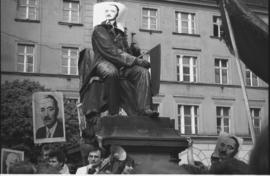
(48, 117)
(9, 157)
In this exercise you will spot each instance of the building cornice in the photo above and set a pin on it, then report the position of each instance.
(162, 81)
(39, 74)
(222, 86)
(255, 7)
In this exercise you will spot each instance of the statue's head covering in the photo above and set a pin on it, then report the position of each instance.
(99, 14)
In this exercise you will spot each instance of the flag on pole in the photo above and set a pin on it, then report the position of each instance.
(251, 36)
(155, 54)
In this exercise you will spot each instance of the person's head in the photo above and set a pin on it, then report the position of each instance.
(94, 156)
(22, 167)
(49, 110)
(12, 158)
(227, 147)
(57, 159)
(111, 12)
(46, 149)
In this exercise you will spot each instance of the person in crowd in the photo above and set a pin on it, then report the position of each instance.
(129, 166)
(22, 167)
(46, 169)
(259, 158)
(45, 150)
(49, 110)
(57, 160)
(112, 61)
(193, 167)
(229, 165)
(12, 158)
(225, 151)
(94, 162)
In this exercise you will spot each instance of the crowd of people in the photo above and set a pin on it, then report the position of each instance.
(223, 160)
(52, 160)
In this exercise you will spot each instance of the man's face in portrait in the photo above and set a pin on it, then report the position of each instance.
(48, 112)
(94, 157)
(111, 12)
(226, 148)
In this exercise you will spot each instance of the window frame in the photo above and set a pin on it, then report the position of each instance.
(179, 20)
(251, 74)
(27, 6)
(69, 60)
(148, 18)
(220, 69)
(180, 67)
(219, 26)
(69, 9)
(222, 117)
(25, 54)
(194, 121)
(252, 109)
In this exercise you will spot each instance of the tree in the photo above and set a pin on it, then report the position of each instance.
(16, 117)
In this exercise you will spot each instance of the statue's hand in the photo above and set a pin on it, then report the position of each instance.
(142, 63)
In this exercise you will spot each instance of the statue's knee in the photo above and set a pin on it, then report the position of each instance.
(112, 74)
(142, 71)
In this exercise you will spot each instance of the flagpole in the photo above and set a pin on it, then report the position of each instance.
(240, 74)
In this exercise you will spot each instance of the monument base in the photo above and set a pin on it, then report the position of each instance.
(153, 143)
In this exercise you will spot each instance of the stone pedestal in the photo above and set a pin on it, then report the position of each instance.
(153, 143)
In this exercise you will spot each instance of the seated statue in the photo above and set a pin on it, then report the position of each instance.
(114, 76)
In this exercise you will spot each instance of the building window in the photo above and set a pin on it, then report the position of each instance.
(251, 78)
(186, 68)
(221, 71)
(188, 119)
(149, 19)
(185, 22)
(72, 100)
(217, 26)
(27, 9)
(256, 119)
(70, 60)
(71, 11)
(25, 60)
(223, 119)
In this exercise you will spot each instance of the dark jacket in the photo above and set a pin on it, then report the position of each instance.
(41, 132)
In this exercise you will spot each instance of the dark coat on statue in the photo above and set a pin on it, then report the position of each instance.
(110, 45)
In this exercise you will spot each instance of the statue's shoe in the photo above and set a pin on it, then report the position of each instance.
(150, 113)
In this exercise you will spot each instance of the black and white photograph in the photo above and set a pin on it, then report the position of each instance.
(136, 86)
(8, 158)
(48, 117)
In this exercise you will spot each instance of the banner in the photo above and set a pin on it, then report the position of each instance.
(251, 36)
(155, 54)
